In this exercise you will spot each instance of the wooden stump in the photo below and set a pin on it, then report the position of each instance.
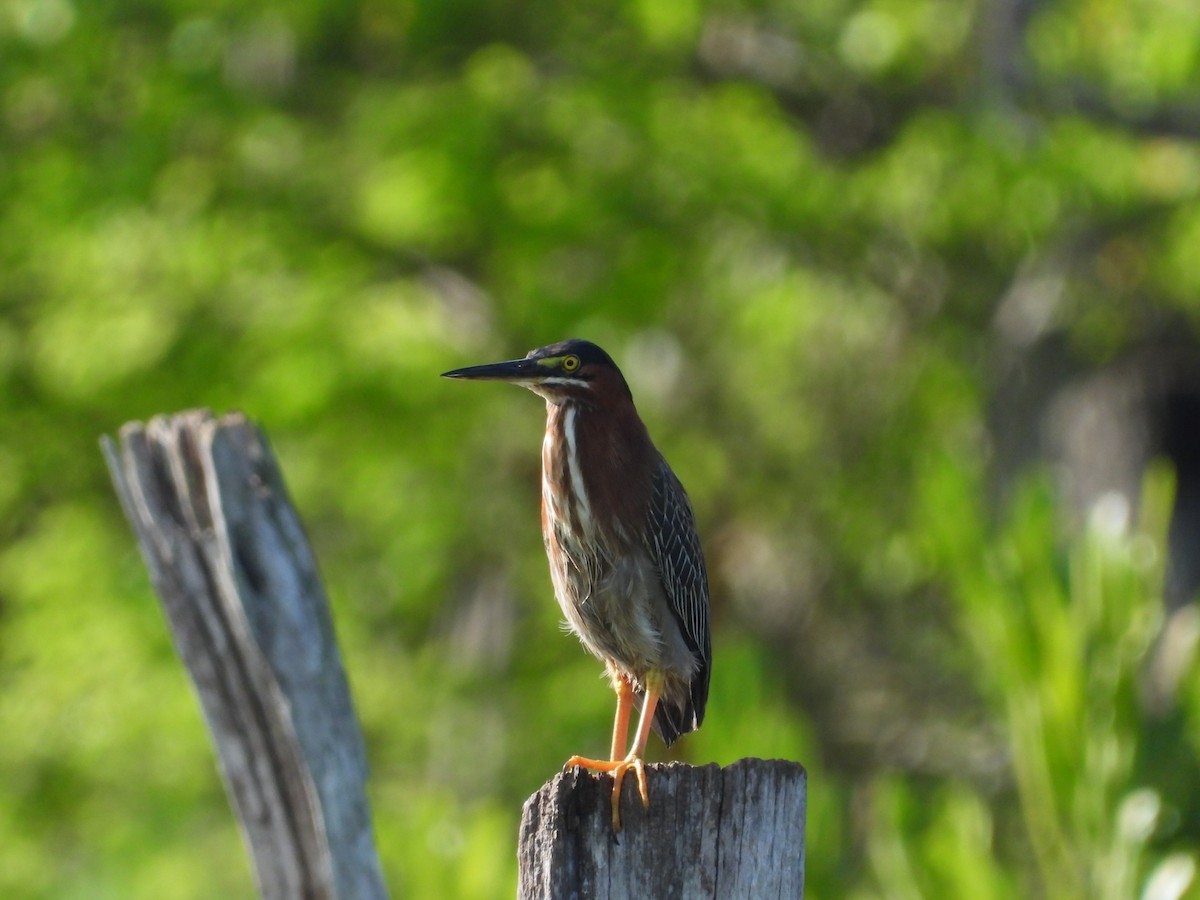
(736, 832)
(248, 615)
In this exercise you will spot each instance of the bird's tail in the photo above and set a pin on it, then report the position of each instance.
(678, 715)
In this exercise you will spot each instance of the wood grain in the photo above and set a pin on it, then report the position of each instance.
(709, 833)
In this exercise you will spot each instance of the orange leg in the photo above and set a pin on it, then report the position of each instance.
(635, 761)
(624, 690)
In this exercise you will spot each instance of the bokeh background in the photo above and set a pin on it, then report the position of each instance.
(907, 291)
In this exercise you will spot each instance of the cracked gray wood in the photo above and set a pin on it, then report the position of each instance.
(709, 833)
(238, 583)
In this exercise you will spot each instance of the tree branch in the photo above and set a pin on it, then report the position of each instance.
(239, 585)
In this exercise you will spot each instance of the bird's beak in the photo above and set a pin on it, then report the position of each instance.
(521, 371)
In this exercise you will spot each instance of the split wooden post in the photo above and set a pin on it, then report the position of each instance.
(709, 833)
(239, 585)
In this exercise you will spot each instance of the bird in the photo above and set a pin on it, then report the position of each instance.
(625, 558)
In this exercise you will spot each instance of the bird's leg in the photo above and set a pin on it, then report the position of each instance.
(623, 685)
(634, 760)
(624, 689)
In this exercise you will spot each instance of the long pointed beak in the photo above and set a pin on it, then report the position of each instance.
(518, 370)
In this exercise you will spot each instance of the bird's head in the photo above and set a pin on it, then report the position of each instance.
(569, 371)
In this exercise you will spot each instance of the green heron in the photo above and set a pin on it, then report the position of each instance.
(625, 559)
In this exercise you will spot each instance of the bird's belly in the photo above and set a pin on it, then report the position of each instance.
(619, 612)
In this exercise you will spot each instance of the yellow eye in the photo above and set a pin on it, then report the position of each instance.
(570, 363)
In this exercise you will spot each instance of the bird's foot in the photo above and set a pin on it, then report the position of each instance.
(618, 768)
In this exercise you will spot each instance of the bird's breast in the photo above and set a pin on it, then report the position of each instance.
(595, 488)
(564, 489)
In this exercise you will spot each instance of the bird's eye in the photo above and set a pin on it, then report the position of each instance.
(570, 363)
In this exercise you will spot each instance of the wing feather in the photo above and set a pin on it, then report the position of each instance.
(674, 546)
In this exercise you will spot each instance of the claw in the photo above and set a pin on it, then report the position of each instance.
(639, 767)
(618, 768)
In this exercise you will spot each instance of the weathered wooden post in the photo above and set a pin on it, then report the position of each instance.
(736, 832)
(249, 617)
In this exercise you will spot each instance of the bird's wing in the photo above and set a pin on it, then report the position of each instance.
(675, 549)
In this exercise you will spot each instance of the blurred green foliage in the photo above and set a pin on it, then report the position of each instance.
(799, 227)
